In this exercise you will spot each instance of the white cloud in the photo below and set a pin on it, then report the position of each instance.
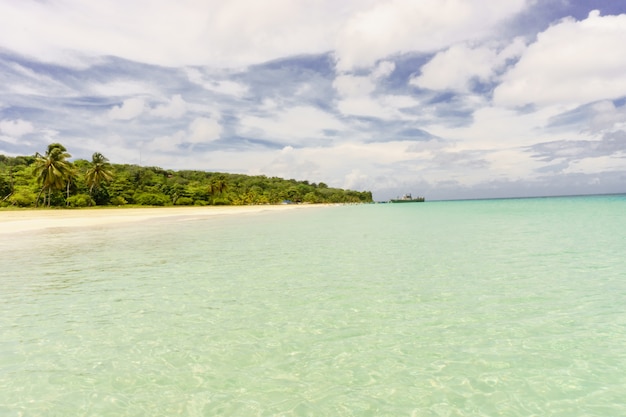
(230, 88)
(268, 104)
(397, 26)
(385, 107)
(292, 163)
(596, 165)
(129, 109)
(122, 88)
(606, 116)
(168, 143)
(384, 69)
(236, 33)
(222, 33)
(174, 108)
(226, 87)
(348, 85)
(200, 130)
(291, 125)
(454, 68)
(16, 128)
(35, 83)
(571, 63)
(8, 139)
(354, 86)
(203, 130)
(497, 128)
(358, 95)
(597, 117)
(356, 180)
(363, 106)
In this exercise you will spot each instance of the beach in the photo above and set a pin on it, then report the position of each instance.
(32, 220)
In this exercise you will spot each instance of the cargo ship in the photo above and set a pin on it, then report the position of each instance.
(407, 198)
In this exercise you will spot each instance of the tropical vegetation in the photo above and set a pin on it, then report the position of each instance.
(52, 170)
(52, 180)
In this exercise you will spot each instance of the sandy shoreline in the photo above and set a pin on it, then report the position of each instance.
(30, 220)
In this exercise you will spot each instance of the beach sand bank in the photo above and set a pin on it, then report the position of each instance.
(31, 220)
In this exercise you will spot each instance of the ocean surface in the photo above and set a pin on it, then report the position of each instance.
(460, 308)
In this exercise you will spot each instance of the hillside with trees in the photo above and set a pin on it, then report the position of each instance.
(52, 180)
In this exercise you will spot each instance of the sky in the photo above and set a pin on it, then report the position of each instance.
(447, 99)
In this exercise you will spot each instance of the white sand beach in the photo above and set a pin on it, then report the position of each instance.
(31, 220)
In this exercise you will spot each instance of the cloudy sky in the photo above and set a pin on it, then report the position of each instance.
(442, 98)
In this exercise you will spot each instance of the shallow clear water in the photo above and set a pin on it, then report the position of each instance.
(468, 308)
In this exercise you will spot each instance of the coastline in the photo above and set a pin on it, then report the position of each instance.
(17, 221)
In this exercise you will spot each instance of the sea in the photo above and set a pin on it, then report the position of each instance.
(511, 307)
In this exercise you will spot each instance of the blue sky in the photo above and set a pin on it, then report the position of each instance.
(442, 98)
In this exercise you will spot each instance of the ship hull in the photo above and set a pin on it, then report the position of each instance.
(415, 200)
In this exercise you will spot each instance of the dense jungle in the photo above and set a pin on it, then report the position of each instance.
(51, 179)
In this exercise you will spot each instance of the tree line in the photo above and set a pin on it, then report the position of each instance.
(52, 180)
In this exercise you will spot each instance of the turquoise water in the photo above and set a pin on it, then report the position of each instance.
(467, 308)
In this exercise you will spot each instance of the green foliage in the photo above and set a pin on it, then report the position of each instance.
(6, 186)
(98, 172)
(23, 198)
(118, 201)
(152, 199)
(64, 183)
(184, 201)
(121, 186)
(80, 200)
(101, 196)
(52, 170)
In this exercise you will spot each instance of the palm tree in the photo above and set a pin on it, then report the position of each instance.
(99, 172)
(52, 170)
(72, 174)
(218, 185)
